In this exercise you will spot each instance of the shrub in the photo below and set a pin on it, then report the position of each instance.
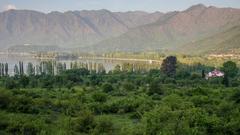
(107, 87)
(23, 126)
(24, 81)
(5, 99)
(104, 125)
(195, 76)
(85, 123)
(24, 105)
(128, 86)
(155, 88)
(170, 80)
(99, 97)
(10, 83)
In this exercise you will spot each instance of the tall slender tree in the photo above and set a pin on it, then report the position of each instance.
(1, 69)
(2, 65)
(64, 66)
(6, 69)
(16, 70)
(60, 68)
(30, 69)
(38, 72)
(21, 69)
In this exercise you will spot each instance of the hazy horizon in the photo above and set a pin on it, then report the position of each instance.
(112, 5)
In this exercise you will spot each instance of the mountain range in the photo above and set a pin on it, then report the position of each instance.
(198, 29)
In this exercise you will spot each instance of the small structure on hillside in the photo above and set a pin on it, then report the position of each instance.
(214, 74)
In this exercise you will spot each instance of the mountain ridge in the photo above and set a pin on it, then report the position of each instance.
(103, 30)
(72, 27)
(176, 29)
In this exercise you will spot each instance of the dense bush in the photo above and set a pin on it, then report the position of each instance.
(107, 87)
(85, 123)
(104, 125)
(99, 97)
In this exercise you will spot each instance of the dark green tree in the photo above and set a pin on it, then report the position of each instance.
(2, 69)
(16, 70)
(86, 123)
(6, 69)
(226, 80)
(203, 74)
(107, 87)
(24, 81)
(1, 74)
(230, 69)
(128, 86)
(60, 68)
(30, 69)
(10, 83)
(21, 69)
(38, 71)
(64, 66)
(168, 66)
(155, 88)
(117, 69)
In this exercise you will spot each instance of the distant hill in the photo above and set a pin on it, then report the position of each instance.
(220, 42)
(174, 30)
(69, 29)
(198, 29)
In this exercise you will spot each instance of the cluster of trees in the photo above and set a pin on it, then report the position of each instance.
(138, 67)
(56, 68)
(3, 69)
(51, 68)
(230, 69)
(176, 100)
(92, 67)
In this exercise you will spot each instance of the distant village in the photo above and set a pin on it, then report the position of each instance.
(230, 54)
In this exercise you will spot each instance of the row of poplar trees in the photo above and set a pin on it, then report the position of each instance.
(54, 68)
(3, 69)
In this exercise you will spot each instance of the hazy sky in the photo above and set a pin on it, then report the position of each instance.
(113, 5)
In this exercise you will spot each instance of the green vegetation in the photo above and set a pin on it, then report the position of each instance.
(80, 101)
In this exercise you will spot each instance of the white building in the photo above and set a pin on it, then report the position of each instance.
(214, 74)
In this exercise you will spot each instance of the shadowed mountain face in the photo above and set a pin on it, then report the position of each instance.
(69, 29)
(102, 30)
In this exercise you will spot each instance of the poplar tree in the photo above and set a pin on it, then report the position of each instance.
(16, 70)
(30, 69)
(64, 66)
(21, 68)
(2, 65)
(6, 69)
(0, 69)
(60, 68)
